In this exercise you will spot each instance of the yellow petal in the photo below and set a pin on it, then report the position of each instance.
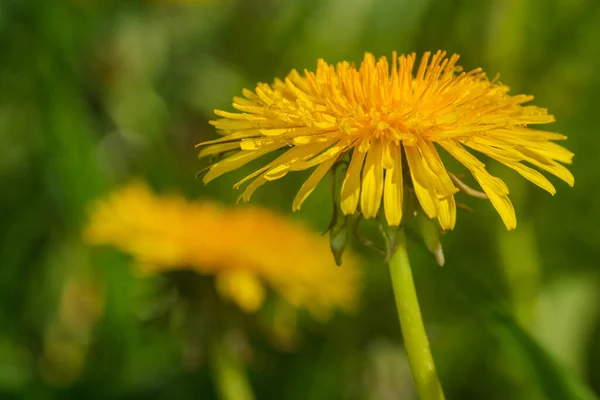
(226, 124)
(447, 212)
(249, 94)
(285, 160)
(473, 164)
(530, 155)
(304, 140)
(237, 160)
(533, 176)
(443, 183)
(309, 131)
(489, 148)
(319, 158)
(527, 133)
(393, 190)
(494, 187)
(537, 159)
(218, 148)
(463, 156)
(273, 132)
(243, 288)
(231, 137)
(386, 157)
(508, 157)
(372, 181)
(500, 201)
(312, 182)
(421, 181)
(277, 172)
(504, 140)
(230, 115)
(555, 152)
(250, 144)
(251, 188)
(351, 186)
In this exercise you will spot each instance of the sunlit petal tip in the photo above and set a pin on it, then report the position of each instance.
(240, 199)
(221, 113)
(207, 179)
(447, 213)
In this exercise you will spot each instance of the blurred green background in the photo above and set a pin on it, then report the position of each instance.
(94, 93)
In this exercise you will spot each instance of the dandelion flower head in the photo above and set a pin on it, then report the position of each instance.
(389, 122)
(246, 250)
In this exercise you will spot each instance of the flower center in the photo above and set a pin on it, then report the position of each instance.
(401, 124)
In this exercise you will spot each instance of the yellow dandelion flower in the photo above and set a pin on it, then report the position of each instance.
(245, 249)
(390, 122)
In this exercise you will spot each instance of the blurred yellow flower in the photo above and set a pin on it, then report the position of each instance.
(387, 124)
(245, 249)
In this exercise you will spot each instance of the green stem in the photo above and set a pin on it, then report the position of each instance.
(415, 338)
(230, 375)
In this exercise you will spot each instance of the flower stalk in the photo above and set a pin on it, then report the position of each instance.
(230, 376)
(427, 383)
